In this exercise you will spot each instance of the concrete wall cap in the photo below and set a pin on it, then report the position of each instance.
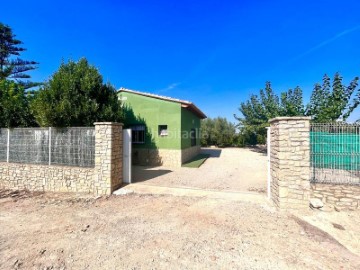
(108, 123)
(289, 118)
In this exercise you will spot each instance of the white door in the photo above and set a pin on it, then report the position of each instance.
(127, 156)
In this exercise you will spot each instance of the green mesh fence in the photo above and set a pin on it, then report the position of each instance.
(335, 153)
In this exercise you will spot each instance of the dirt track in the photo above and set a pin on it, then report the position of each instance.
(61, 231)
(228, 169)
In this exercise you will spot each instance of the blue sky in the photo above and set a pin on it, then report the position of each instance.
(214, 53)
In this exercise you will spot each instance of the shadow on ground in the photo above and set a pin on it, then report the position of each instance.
(144, 173)
(259, 149)
(197, 161)
(212, 152)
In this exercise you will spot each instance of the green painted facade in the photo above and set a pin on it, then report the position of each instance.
(152, 112)
(189, 121)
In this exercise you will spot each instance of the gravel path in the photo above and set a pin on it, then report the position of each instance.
(60, 231)
(228, 169)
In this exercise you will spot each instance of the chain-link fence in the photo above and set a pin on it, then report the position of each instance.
(52, 146)
(335, 153)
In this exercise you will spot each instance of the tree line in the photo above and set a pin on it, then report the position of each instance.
(75, 95)
(329, 102)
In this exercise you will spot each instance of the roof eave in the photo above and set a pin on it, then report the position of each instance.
(192, 107)
(186, 104)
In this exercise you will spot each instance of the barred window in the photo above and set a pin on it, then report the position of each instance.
(138, 134)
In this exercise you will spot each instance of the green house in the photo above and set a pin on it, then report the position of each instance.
(165, 131)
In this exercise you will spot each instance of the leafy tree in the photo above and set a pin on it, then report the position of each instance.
(14, 106)
(317, 101)
(328, 104)
(11, 66)
(244, 138)
(269, 101)
(207, 129)
(292, 102)
(217, 131)
(75, 95)
(351, 92)
(257, 112)
(224, 132)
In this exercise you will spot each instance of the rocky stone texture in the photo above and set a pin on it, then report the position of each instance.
(157, 157)
(189, 153)
(46, 178)
(164, 157)
(343, 197)
(103, 179)
(316, 203)
(331, 175)
(290, 161)
(108, 157)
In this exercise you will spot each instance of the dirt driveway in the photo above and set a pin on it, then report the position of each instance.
(228, 169)
(64, 231)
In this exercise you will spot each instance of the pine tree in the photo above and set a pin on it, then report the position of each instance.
(11, 66)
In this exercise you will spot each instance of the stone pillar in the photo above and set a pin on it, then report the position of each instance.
(108, 157)
(290, 161)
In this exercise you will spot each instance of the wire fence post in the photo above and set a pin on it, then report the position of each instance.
(8, 146)
(49, 146)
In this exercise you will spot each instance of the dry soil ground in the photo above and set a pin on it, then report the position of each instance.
(65, 231)
(228, 169)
